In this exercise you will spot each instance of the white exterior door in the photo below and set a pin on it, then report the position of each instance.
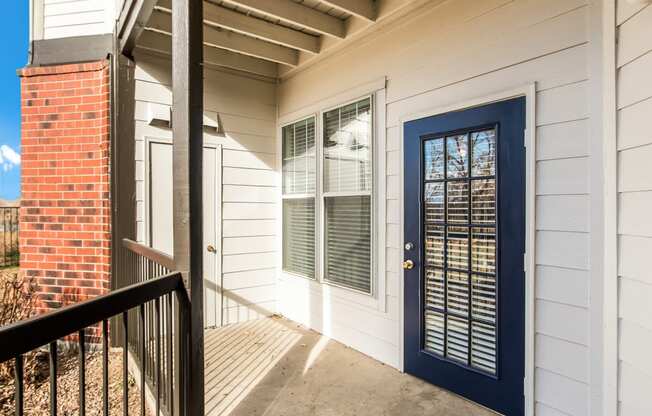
(161, 218)
(212, 181)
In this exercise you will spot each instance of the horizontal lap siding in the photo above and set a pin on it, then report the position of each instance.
(247, 112)
(479, 48)
(634, 201)
(69, 18)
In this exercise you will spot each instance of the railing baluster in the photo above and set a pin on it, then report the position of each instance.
(53, 378)
(105, 365)
(169, 330)
(157, 322)
(82, 372)
(141, 315)
(18, 400)
(125, 364)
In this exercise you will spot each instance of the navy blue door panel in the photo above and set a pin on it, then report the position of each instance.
(464, 199)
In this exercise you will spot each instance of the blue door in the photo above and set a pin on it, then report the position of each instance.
(464, 245)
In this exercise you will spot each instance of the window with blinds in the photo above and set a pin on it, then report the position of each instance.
(347, 192)
(299, 179)
(460, 225)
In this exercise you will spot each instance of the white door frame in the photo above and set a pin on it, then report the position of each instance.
(529, 92)
(218, 206)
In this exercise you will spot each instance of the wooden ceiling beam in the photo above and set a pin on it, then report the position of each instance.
(219, 16)
(131, 23)
(295, 13)
(232, 41)
(365, 9)
(162, 44)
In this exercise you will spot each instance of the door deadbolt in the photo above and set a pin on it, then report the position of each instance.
(408, 264)
(211, 249)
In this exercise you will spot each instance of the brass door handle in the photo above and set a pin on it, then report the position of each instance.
(211, 249)
(408, 264)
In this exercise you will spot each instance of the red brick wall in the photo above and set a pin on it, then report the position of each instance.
(65, 223)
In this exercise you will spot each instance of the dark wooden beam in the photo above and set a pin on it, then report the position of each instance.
(187, 150)
(123, 183)
(131, 23)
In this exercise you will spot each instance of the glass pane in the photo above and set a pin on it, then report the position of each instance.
(458, 248)
(348, 241)
(299, 236)
(483, 347)
(483, 291)
(299, 157)
(458, 202)
(457, 291)
(434, 202)
(434, 246)
(434, 337)
(483, 250)
(483, 201)
(434, 159)
(457, 160)
(347, 148)
(457, 335)
(483, 153)
(435, 288)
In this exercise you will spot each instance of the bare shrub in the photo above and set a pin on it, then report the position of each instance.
(17, 302)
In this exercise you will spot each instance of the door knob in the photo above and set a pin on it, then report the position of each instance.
(211, 249)
(408, 264)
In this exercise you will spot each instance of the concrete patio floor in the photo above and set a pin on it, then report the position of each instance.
(274, 367)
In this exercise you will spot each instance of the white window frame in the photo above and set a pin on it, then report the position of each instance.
(377, 298)
(322, 195)
(314, 195)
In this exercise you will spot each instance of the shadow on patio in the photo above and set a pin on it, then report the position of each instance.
(272, 366)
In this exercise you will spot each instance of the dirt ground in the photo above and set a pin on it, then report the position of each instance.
(37, 396)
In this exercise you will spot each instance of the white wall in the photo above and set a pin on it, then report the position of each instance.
(68, 18)
(247, 112)
(635, 204)
(441, 56)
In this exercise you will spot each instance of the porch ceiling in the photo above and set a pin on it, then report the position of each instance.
(271, 38)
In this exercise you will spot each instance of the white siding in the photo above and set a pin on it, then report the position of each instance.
(68, 18)
(440, 56)
(634, 205)
(247, 112)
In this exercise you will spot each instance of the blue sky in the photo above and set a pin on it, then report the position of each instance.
(14, 30)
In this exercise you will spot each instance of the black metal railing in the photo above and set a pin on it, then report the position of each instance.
(9, 255)
(172, 330)
(139, 263)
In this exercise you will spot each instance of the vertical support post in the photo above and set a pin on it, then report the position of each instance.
(187, 116)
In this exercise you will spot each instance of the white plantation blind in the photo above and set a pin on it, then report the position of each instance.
(348, 241)
(347, 167)
(299, 179)
(299, 236)
(347, 148)
(299, 157)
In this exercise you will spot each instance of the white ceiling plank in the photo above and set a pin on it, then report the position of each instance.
(232, 41)
(162, 44)
(365, 9)
(295, 13)
(215, 15)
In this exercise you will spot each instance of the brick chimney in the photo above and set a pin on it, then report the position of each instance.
(65, 217)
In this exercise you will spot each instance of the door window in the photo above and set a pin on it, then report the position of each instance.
(460, 248)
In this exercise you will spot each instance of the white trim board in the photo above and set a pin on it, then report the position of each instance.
(529, 92)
